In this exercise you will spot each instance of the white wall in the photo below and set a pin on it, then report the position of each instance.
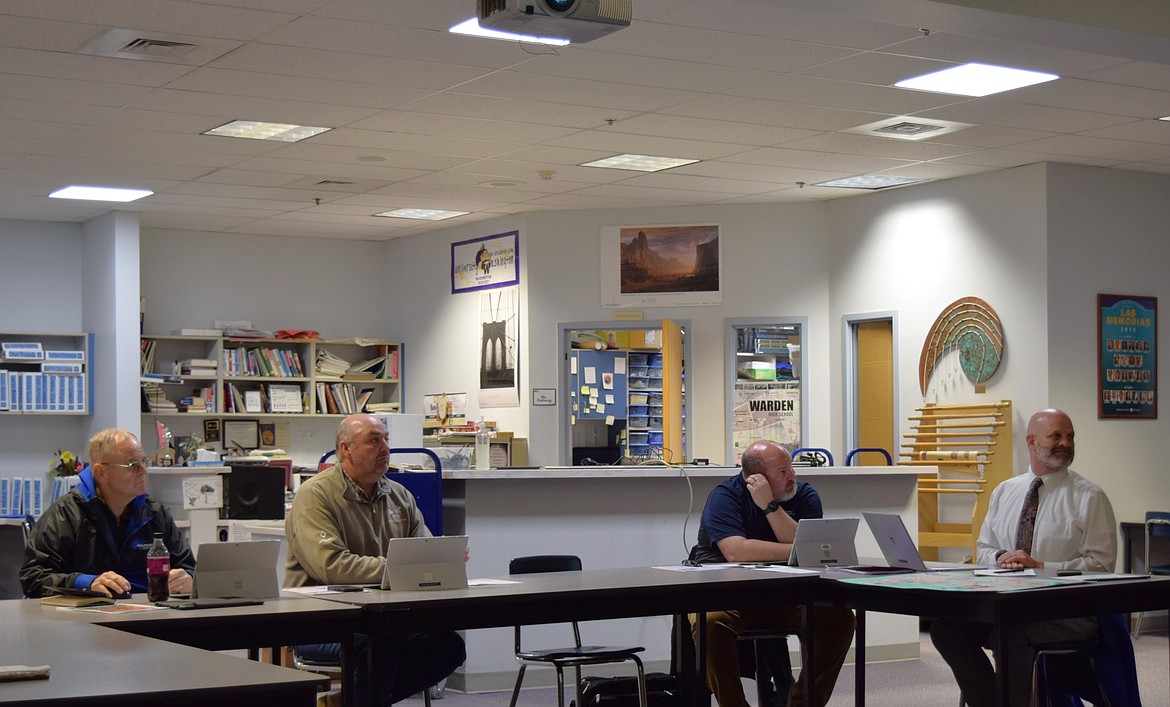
(915, 251)
(334, 286)
(775, 263)
(41, 277)
(1107, 234)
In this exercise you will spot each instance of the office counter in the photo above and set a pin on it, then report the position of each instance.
(634, 516)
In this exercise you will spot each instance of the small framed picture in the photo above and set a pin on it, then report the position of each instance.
(241, 434)
(268, 435)
(544, 396)
(211, 430)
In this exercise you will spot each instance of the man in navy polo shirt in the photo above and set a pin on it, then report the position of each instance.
(752, 517)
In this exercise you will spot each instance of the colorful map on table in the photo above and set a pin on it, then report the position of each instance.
(949, 582)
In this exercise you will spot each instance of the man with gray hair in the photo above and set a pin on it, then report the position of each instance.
(96, 536)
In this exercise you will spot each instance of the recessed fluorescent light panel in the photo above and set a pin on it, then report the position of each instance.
(422, 214)
(869, 181)
(976, 80)
(100, 193)
(472, 29)
(255, 130)
(639, 163)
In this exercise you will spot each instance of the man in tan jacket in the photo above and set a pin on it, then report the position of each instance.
(338, 528)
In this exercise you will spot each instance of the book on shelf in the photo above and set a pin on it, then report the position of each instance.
(330, 364)
(382, 407)
(161, 378)
(364, 398)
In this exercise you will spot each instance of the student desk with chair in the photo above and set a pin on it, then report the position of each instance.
(156, 657)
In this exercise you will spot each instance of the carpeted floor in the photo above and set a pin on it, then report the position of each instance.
(926, 682)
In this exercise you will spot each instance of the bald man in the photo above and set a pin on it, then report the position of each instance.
(1072, 527)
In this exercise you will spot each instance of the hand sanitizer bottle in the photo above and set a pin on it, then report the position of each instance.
(483, 447)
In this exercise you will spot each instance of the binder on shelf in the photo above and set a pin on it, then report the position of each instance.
(22, 350)
(62, 367)
(65, 356)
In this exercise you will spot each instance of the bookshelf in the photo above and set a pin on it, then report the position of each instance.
(249, 378)
(45, 374)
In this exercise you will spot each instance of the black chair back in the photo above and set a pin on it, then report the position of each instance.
(532, 564)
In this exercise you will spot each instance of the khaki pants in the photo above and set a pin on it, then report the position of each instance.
(834, 632)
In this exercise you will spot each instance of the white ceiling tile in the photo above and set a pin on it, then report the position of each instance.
(827, 161)
(1078, 94)
(765, 112)
(363, 141)
(851, 144)
(335, 34)
(993, 111)
(459, 126)
(608, 141)
(1156, 131)
(1100, 148)
(296, 88)
(347, 66)
(584, 92)
(704, 129)
(68, 91)
(758, 90)
(30, 62)
(1143, 74)
(515, 110)
(251, 108)
(209, 20)
(843, 94)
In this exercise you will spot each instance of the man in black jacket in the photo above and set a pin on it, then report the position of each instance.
(96, 536)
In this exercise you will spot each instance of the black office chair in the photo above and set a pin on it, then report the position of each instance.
(1157, 529)
(573, 656)
(13, 538)
(772, 666)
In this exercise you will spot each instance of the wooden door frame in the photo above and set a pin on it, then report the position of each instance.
(849, 374)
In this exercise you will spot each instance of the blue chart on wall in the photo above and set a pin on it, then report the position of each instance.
(599, 383)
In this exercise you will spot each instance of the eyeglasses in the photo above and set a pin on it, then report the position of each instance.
(137, 464)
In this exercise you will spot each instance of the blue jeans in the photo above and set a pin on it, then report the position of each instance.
(413, 661)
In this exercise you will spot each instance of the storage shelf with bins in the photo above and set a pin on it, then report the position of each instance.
(45, 374)
(644, 403)
(270, 377)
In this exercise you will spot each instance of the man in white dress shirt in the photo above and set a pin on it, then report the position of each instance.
(1066, 524)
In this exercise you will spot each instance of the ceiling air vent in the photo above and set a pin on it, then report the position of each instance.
(907, 128)
(160, 46)
(157, 47)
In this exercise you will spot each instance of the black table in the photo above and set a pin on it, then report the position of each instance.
(557, 597)
(95, 665)
(1002, 610)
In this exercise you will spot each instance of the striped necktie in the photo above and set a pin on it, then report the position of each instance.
(1028, 516)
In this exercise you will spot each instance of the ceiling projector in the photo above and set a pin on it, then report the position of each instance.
(575, 20)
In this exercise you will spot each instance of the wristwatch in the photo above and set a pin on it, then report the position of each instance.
(773, 506)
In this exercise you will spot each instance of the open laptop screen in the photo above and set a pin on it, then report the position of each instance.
(426, 563)
(820, 542)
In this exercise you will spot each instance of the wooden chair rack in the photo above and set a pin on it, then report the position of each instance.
(962, 441)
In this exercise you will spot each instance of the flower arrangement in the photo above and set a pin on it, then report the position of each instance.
(65, 463)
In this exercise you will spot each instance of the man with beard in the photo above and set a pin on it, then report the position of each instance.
(338, 528)
(752, 517)
(1050, 517)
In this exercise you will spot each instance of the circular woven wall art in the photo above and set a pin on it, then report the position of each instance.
(971, 326)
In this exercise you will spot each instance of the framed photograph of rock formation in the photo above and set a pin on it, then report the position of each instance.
(661, 266)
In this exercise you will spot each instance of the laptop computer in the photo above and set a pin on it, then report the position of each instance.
(820, 542)
(245, 570)
(898, 547)
(425, 563)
